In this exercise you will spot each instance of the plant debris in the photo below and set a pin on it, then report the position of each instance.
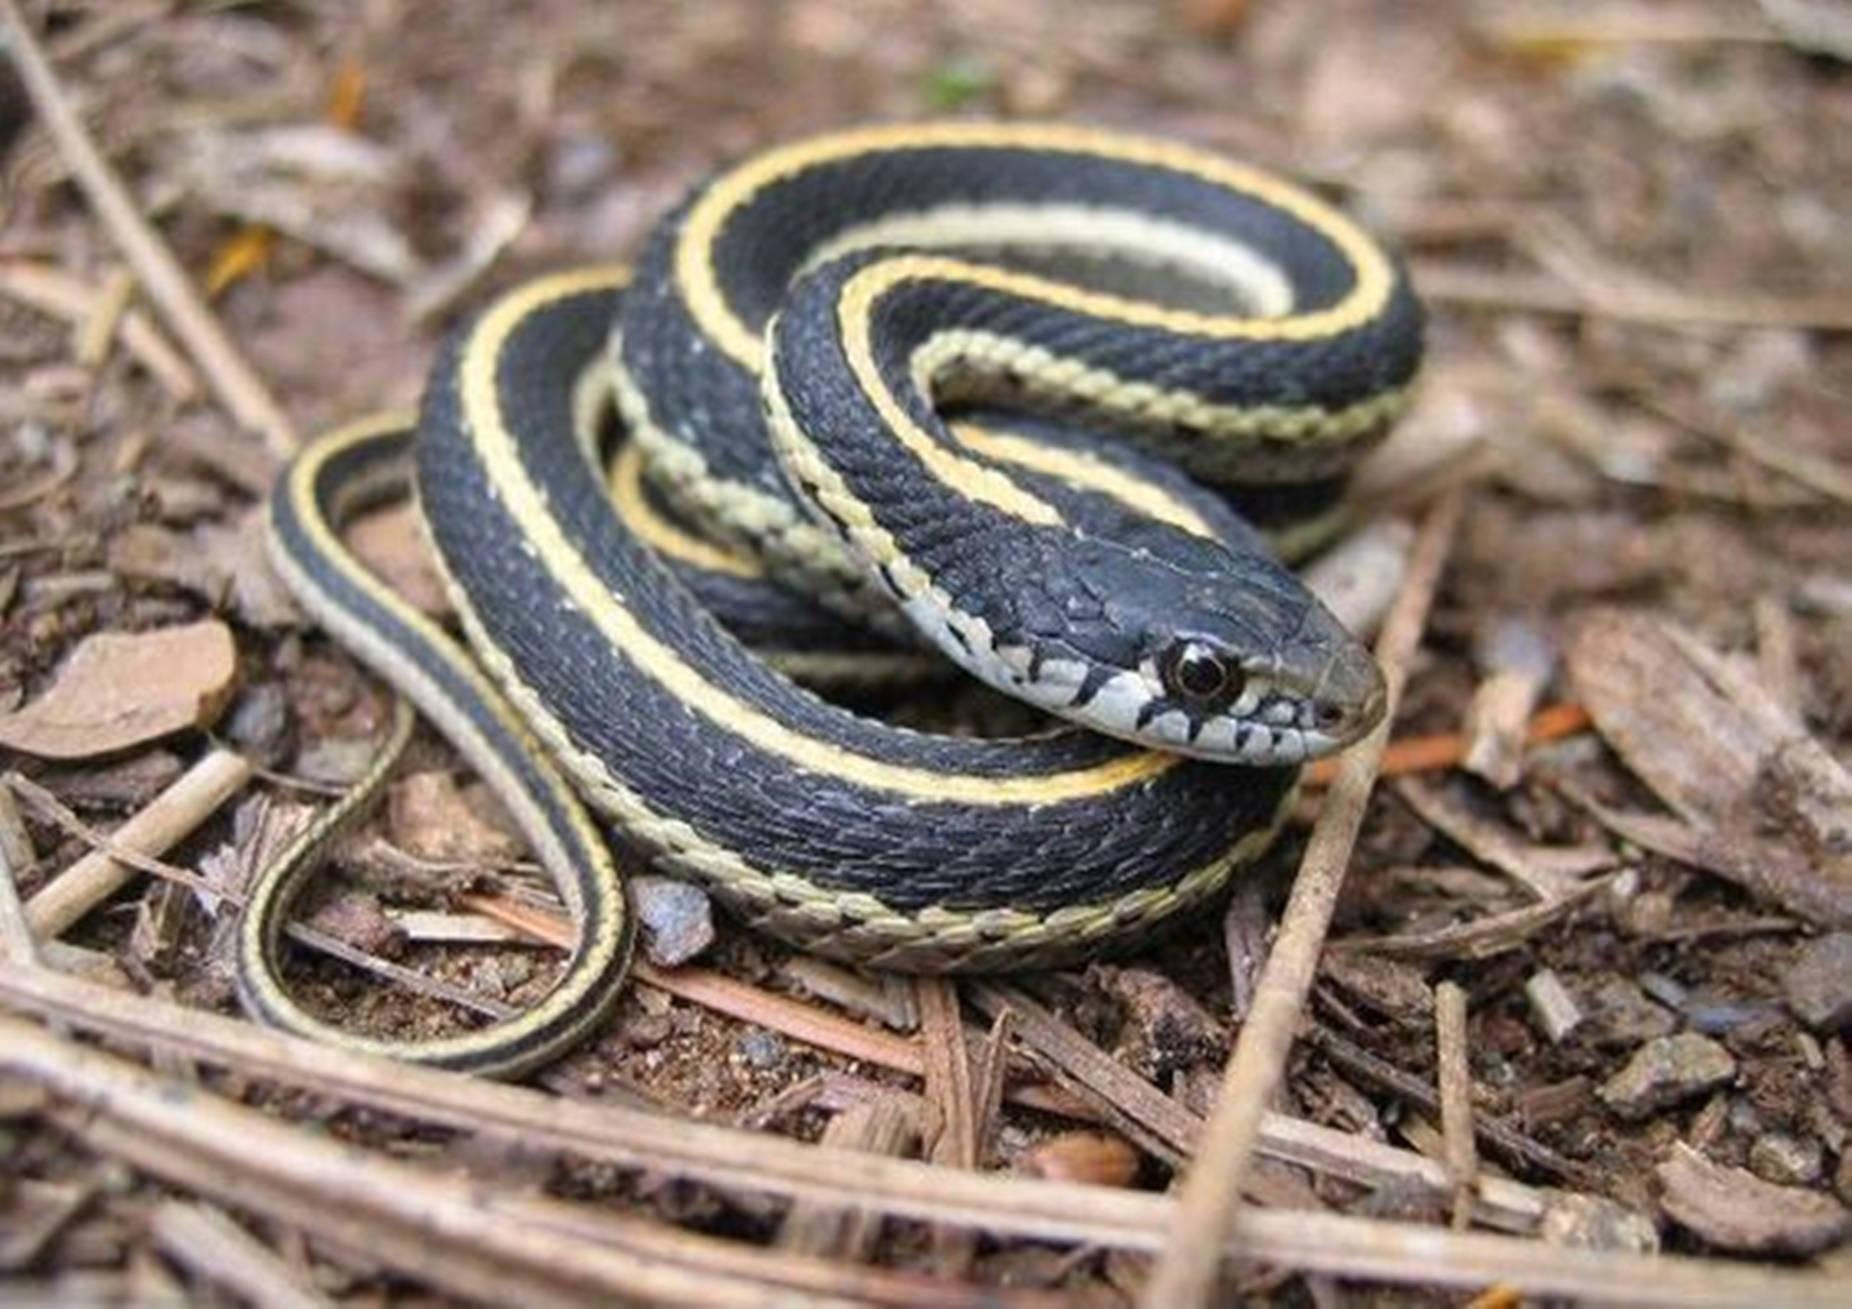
(1579, 1026)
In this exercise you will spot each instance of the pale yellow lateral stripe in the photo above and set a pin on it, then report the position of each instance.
(303, 476)
(657, 532)
(699, 279)
(1083, 470)
(659, 661)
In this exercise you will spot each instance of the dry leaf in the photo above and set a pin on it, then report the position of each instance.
(123, 689)
(1762, 802)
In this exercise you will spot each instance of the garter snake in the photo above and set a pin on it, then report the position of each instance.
(800, 360)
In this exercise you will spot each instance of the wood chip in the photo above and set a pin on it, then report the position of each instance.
(1554, 1008)
(881, 1126)
(119, 690)
(1764, 803)
(1734, 1209)
(1517, 660)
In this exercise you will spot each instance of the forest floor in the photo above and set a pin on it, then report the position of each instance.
(1621, 948)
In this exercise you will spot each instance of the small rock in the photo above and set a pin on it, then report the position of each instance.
(579, 166)
(760, 1048)
(336, 760)
(677, 918)
(1786, 1160)
(1620, 1014)
(1735, 1210)
(646, 1031)
(357, 918)
(1665, 1071)
(1819, 985)
(1096, 1158)
(1592, 1222)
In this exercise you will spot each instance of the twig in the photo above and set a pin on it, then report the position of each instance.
(1478, 288)
(1185, 1271)
(90, 342)
(453, 1231)
(1479, 939)
(1428, 754)
(753, 1161)
(16, 941)
(218, 1250)
(1818, 473)
(52, 292)
(1456, 1096)
(1170, 1131)
(171, 816)
(886, 1125)
(234, 381)
(1514, 1146)
(952, 1093)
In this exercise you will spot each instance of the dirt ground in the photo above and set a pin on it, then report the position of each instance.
(1631, 224)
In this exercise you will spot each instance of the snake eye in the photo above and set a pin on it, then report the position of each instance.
(1197, 672)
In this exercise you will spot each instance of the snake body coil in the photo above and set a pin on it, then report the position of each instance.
(1220, 316)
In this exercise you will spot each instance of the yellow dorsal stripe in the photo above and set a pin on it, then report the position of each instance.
(700, 280)
(654, 658)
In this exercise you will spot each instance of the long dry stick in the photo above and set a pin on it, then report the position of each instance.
(1185, 1272)
(366, 1199)
(234, 381)
(727, 1157)
(169, 817)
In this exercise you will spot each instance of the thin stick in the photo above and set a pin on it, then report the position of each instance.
(573, 1256)
(16, 942)
(951, 1091)
(1456, 1096)
(997, 1203)
(52, 292)
(234, 381)
(171, 816)
(1185, 1271)
(218, 1250)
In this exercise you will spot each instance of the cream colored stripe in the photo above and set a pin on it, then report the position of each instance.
(666, 538)
(495, 444)
(699, 279)
(1082, 470)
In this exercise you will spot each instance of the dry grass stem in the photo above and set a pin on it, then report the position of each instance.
(52, 292)
(1456, 1096)
(1185, 1272)
(234, 381)
(218, 1251)
(1045, 1210)
(172, 815)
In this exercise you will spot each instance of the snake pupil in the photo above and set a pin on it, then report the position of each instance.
(1194, 671)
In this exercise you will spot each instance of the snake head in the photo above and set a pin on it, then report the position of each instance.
(1189, 645)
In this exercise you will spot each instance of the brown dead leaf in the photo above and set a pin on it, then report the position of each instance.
(123, 689)
(1721, 753)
